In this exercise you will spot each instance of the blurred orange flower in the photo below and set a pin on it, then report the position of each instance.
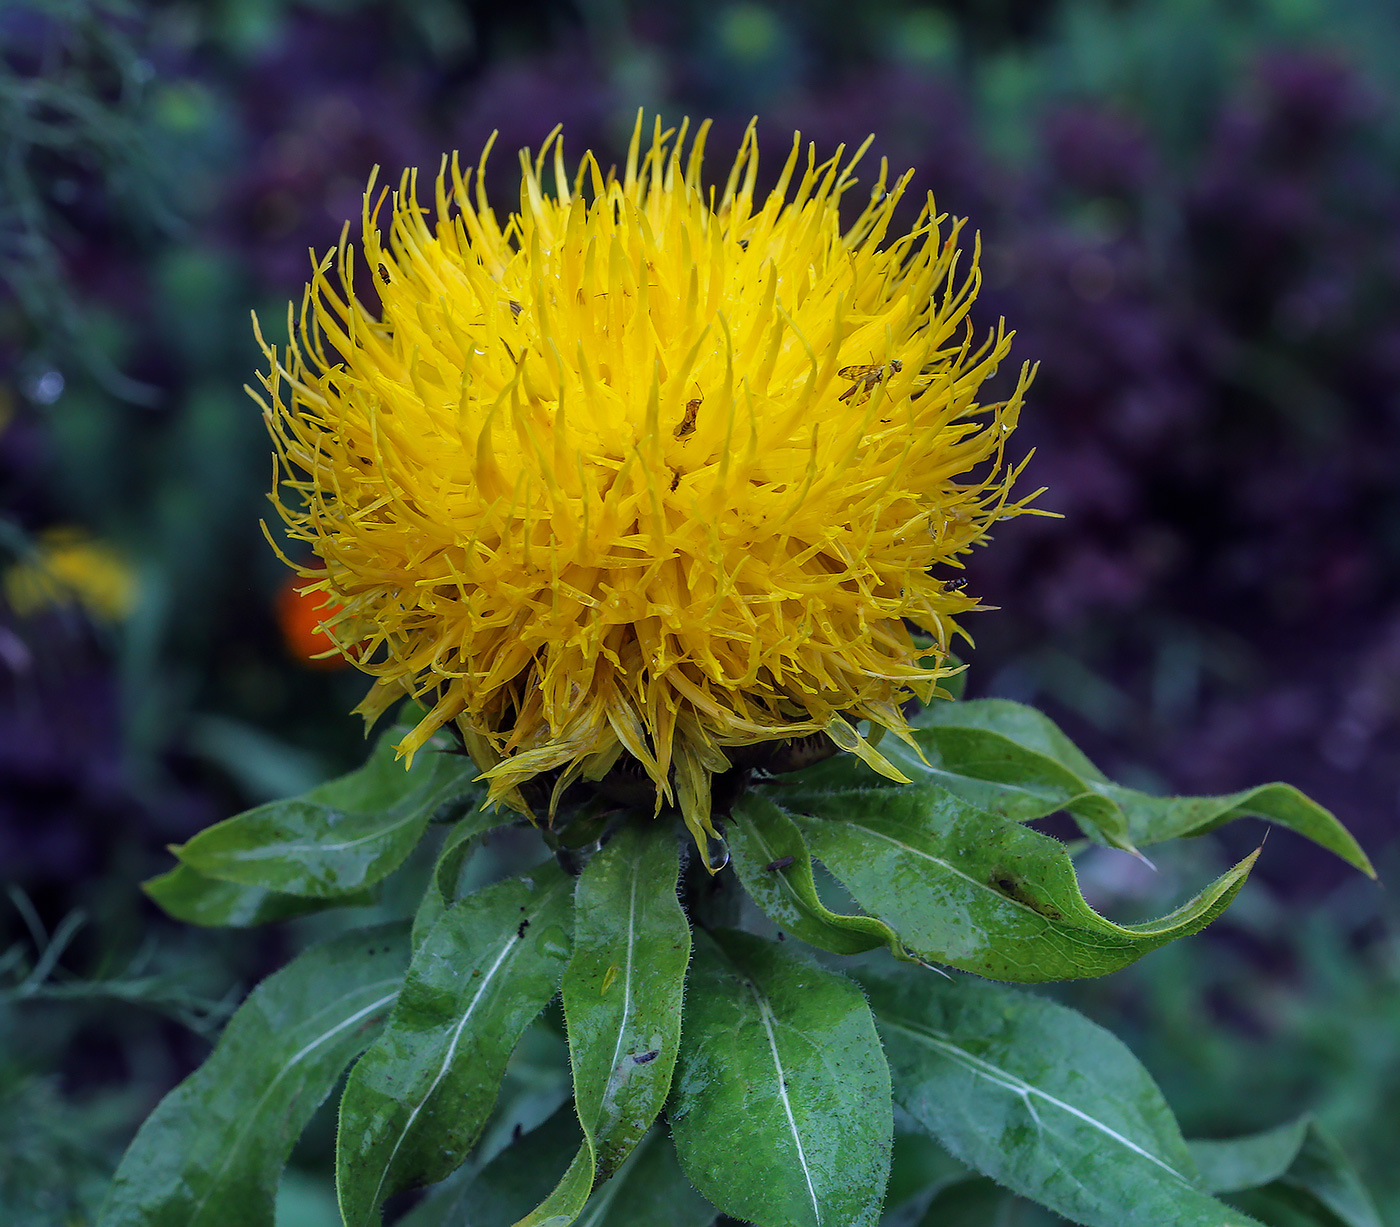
(299, 617)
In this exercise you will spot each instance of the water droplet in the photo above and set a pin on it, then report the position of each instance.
(716, 853)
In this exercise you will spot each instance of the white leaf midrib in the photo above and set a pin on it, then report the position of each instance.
(1011, 1082)
(626, 990)
(512, 944)
(250, 1118)
(766, 1015)
(486, 980)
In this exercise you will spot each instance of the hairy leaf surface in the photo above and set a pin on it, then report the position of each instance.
(1041, 1100)
(780, 1110)
(775, 866)
(419, 1097)
(967, 888)
(622, 1003)
(341, 836)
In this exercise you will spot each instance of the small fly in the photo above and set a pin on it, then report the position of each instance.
(687, 426)
(866, 377)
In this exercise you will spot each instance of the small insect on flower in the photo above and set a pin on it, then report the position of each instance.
(867, 376)
(644, 520)
(687, 425)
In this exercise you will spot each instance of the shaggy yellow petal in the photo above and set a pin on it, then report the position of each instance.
(642, 471)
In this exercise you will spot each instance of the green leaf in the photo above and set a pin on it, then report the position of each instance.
(1292, 1176)
(1004, 758)
(1148, 819)
(1013, 760)
(775, 866)
(781, 1106)
(1041, 1100)
(979, 1202)
(979, 892)
(1246, 1163)
(197, 900)
(648, 1189)
(211, 1153)
(507, 1186)
(419, 1097)
(622, 1003)
(1154, 819)
(340, 837)
(443, 889)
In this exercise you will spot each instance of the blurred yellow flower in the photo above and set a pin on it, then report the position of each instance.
(70, 566)
(648, 470)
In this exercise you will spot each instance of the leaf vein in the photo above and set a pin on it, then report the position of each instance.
(1009, 1081)
(251, 1117)
(767, 1016)
(506, 948)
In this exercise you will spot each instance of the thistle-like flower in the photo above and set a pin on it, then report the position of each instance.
(650, 470)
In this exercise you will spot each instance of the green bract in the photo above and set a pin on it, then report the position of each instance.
(726, 1051)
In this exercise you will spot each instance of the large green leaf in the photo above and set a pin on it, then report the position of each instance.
(1041, 1100)
(1149, 819)
(781, 1105)
(1245, 1163)
(211, 1153)
(967, 888)
(772, 861)
(1013, 760)
(1154, 819)
(419, 1097)
(1003, 757)
(340, 837)
(197, 900)
(622, 1003)
(1292, 1176)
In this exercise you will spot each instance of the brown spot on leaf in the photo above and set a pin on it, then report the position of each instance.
(1004, 882)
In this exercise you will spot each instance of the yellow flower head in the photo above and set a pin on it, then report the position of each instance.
(71, 567)
(648, 470)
